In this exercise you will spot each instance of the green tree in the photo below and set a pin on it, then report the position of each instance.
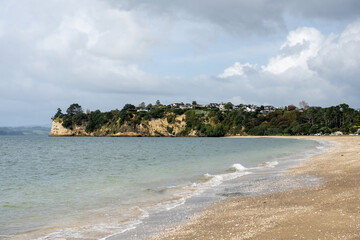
(58, 114)
(128, 107)
(96, 119)
(149, 106)
(229, 106)
(74, 109)
(67, 122)
(171, 118)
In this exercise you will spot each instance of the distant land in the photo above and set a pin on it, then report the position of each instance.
(210, 120)
(36, 130)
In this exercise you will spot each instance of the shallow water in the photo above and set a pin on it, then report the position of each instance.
(96, 187)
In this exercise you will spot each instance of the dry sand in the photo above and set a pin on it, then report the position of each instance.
(330, 210)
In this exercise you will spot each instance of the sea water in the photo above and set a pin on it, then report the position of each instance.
(90, 188)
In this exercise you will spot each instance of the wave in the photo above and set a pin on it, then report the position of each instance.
(108, 229)
(271, 164)
(175, 196)
(180, 194)
(237, 167)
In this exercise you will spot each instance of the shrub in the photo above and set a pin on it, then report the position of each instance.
(171, 118)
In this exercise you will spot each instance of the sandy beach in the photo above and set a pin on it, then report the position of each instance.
(331, 210)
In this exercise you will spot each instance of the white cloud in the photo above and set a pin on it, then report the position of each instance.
(301, 45)
(338, 60)
(87, 47)
(60, 51)
(322, 70)
(99, 30)
(106, 32)
(237, 69)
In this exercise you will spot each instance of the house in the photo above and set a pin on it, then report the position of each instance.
(268, 109)
(175, 105)
(185, 106)
(250, 108)
(222, 107)
(213, 105)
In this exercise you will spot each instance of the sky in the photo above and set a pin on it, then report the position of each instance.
(103, 54)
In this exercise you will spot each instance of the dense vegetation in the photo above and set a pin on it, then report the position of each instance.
(212, 122)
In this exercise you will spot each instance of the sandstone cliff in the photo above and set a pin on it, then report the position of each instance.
(58, 130)
(148, 128)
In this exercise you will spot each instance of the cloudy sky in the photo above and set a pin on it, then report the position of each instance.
(103, 54)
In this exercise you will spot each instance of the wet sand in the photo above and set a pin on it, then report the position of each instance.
(330, 210)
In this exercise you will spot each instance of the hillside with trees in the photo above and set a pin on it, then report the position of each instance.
(213, 120)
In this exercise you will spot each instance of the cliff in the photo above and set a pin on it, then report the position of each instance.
(58, 130)
(147, 128)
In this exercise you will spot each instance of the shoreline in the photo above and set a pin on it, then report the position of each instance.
(269, 177)
(328, 210)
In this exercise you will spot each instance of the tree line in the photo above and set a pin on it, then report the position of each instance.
(212, 122)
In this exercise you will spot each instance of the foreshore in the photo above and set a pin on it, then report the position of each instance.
(330, 210)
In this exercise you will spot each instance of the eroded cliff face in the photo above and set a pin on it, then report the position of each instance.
(150, 128)
(58, 130)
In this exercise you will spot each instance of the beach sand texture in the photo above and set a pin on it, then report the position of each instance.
(330, 210)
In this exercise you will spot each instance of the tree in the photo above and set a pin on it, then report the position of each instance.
(229, 106)
(58, 114)
(142, 105)
(171, 118)
(128, 107)
(291, 107)
(149, 106)
(304, 105)
(157, 103)
(74, 109)
(96, 119)
(67, 122)
(194, 104)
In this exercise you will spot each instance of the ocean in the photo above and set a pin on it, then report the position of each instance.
(92, 188)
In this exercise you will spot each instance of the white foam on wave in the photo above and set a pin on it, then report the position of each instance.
(196, 188)
(107, 229)
(271, 164)
(179, 195)
(215, 180)
(238, 167)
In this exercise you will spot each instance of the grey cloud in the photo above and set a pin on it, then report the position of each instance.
(327, 9)
(247, 17)
(238, 17)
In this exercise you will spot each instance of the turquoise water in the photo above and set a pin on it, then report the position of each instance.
(94, 187)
